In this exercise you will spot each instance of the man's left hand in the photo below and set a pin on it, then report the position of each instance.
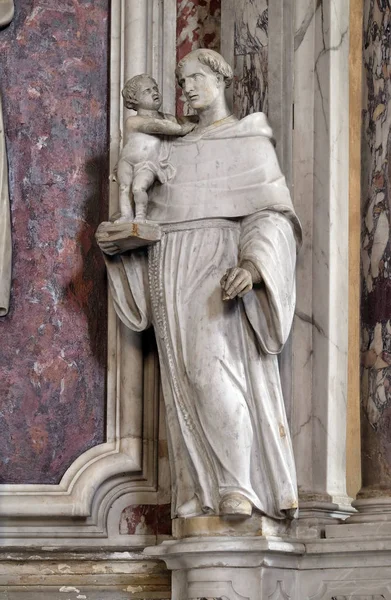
(236, 282)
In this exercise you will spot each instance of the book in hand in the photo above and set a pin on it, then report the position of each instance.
(115, 238)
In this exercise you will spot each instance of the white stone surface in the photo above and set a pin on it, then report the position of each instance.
(259, 568)
(143, 158)
(320, 336)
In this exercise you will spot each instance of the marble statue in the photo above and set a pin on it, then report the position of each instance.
(218, 286)
(142, 160)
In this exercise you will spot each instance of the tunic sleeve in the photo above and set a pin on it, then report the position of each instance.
(268, 240)
(128, 280)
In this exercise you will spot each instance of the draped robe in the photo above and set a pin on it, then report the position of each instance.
(227, 203)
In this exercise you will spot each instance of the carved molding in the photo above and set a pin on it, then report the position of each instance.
(213, 590)
(279, 593)
(77, 509)
(354, 590)
(377, 597)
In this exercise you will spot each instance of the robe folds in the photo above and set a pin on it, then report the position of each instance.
(226, 421)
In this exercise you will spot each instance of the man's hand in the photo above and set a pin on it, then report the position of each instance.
(236, 282)
(109, 247)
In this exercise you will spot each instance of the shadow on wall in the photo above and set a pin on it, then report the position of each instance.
(80, 291)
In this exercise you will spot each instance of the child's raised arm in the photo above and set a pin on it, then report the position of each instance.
(154, 126)
(164, 127)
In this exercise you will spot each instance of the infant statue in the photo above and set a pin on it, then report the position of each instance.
(142, 159)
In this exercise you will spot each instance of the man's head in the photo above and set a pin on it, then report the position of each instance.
(203, 76)
(142, 91)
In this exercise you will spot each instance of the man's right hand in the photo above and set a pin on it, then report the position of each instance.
(109, 248)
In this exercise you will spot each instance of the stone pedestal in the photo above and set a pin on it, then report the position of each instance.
(229, 567)
(213, 557)
(340, 567)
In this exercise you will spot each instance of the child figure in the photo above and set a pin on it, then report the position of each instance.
(140, 162)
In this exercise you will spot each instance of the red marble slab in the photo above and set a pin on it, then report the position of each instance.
(198, 26)
(54, 84)
(146, 519)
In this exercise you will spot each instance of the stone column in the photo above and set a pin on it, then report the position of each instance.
(305, 57)
(320, 183)
(374, 499)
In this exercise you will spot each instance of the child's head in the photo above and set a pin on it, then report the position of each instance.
(142, 91)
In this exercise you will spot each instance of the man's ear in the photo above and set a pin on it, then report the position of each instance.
(220, 80)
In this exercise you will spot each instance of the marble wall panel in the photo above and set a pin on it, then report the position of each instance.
(376, 247)
(198, 26)
(250, 92)
(54, 79)
(146, 519)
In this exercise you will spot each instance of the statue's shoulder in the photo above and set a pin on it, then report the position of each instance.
(256, 124)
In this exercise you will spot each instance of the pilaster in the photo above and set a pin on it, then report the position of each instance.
(320, 189)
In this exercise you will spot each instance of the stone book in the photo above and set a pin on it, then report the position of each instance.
(115, 238)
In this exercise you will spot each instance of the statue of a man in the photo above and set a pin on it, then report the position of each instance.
(219, 290)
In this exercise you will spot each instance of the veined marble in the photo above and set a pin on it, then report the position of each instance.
(320, 178)
(376, 252)
(52, 365)
(198, 26)
(251, 57)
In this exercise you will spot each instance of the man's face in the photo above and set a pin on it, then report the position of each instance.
(148, 95)
(200, 84)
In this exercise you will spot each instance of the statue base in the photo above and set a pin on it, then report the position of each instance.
(352, 561)
(231, 568)
(218, 558)
(115, 238)
(215, 526)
